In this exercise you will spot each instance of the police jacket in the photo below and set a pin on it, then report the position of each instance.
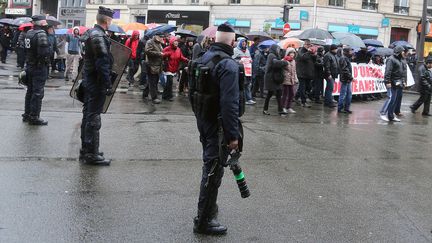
(331, 65)
(345, 69)
(425, 84)
(305, 64)
(395, 71)
(37, 47)
(21, 38)
(226, 74)
(98, 60)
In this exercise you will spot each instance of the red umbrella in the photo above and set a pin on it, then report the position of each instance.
(210, 31)
(26, 25)
(82, 29)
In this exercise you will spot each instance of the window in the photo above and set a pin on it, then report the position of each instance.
(401, 7)
(370, 5)
(293, 1)
(337, 3)
(429, 8)
(234, 1)
(167, 1)
(120, 1)
(144, 1)
(194, 1)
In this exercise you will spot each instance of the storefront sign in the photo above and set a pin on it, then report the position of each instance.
(16, 11)
(385, 22)
(355, 29)
(237, 23)
(304, 15)
(181, 17)
(369, 79)
(72, 12)
(20, 3)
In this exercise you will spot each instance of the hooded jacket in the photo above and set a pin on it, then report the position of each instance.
(239, 52)
(173, 56)
(274, 64)
(396, 70)
(290, 72)
(132, 43)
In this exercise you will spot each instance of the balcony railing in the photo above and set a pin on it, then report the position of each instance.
(401, 10)
(370, 6)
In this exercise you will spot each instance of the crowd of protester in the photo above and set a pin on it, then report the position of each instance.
(292, 75)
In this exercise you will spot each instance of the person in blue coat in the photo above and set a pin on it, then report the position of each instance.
(225, 77)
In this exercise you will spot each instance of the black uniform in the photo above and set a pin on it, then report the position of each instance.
(425, 89)
(97, 85)
(37, 58)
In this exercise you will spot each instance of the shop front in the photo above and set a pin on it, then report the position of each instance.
(72, 16)
(193, 20)
(242, 25)
(364, 32)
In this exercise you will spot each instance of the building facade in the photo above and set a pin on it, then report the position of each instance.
(385, 20)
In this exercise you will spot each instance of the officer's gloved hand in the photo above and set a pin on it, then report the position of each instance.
(109, 92)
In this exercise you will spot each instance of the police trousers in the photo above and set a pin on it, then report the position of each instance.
(37, 76)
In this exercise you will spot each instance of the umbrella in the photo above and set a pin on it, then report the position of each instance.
(372, 42)
(134, 26)
(61, 31)
(6, 21)
(26, 25)
(349, 39)
(186, 33)
(315, 34)
(82, 29)
(22, 20)
(152, 26)
(240, 34)
(294, 33)
(382, 51)
(317, 41)
(210, 31)
(260, 34)
(291, 42)
(115, 28)
(266, 44)
(402, 43)
(52, 21)
(163, 28)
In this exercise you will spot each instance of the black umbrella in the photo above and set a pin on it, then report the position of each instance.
(259, 34)
(163, 29)
(382, 51)
(22, 20)
(186, 33)
(116, 29)
(6, 21)
(315, 34)
(52, 21)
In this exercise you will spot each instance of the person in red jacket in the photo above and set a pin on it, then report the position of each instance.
(132, 43)
(173, 56)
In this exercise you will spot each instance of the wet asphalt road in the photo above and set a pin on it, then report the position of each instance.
(315, 176)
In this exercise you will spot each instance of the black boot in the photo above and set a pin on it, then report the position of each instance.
(82, 153)
(34, 120)
(25, 117)
(95, 159)
(212, 227)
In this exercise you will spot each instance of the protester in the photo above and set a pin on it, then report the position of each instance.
(52, 39)
(346, 78)
(154, 55)
(174, 57)
(425, 88)
(187, 52)
(394, 78)
(397, 109)
(73, 54)
(132, 43)
(258, 71)
(5, 42)
(142, 57)
(319, 76)
(202, 45)
(331, 72)
(362, 56)
(242, 56)
(273, 78)
(305, 62)
(60, 59)
(290, 79)
(412, 60)
(254, 47)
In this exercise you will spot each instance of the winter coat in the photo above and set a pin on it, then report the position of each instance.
(290, 73)
(305, 64)
(362, 57)
(425, 84)
(274, 64)
(141, 48)
(259, 64)
(319, 67)
(331, 65)
(239, 53)
(61, 46)
(132, 43)
(153, 50)
(52, 40)
(5, 38)
(173, 56)
(345, 69)
(395, 71)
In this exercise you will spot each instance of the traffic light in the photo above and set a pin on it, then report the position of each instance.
(286, 9)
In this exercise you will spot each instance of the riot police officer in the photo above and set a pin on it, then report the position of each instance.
(37, 58)
(97, 85)
(224, 77)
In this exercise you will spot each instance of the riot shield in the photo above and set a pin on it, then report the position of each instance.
(121, 55)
